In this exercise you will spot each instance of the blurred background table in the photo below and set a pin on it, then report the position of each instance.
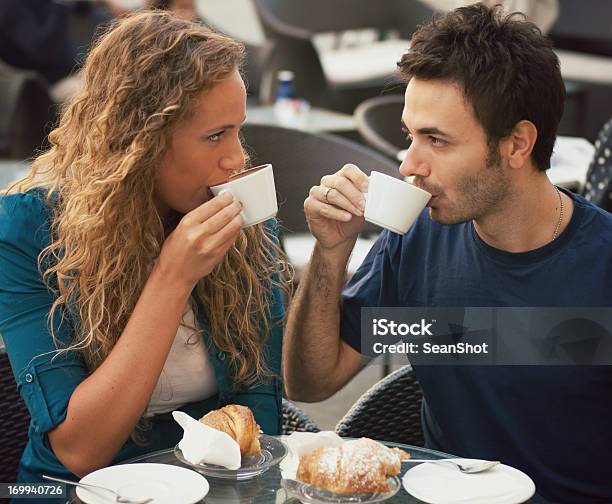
(315, 120)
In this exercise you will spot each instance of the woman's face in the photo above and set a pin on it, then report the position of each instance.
(204, 149)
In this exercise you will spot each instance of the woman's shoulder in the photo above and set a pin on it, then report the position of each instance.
(20, 203)
(272, 227)
(25, 216)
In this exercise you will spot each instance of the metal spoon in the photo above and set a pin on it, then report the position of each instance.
(467, 468)
(88, 486)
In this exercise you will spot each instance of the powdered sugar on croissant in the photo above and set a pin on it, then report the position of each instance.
(239, 423)
(359, 466)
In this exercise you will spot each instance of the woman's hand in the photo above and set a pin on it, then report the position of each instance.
(334, 209)
(200, 240)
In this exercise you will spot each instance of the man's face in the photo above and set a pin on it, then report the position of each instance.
(449, 156)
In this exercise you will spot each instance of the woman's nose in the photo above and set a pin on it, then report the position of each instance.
(234, 159)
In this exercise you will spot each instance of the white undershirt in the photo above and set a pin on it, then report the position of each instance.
(188, 375)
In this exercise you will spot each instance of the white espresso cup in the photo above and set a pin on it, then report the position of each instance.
(254, 188)
(392, 203)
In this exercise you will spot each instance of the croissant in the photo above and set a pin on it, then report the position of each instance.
(359, 466)
(239, 423)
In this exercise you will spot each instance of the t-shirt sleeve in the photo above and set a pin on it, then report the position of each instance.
(373, 284)
(45, 379)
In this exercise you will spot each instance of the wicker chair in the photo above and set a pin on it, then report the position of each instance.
(389, 411)
(14, 419)
(378, 122)
(295, 420)
(598, 187)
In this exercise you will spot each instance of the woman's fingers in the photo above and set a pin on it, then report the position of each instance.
(218, 221)
(211, 207)
(213, 242)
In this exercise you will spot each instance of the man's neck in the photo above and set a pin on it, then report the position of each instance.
(528, 217)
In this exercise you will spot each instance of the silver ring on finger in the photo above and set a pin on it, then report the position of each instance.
(327, 189)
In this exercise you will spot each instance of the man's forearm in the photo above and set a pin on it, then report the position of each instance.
(312, 349)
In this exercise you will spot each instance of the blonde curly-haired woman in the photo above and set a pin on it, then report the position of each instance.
(126, 289)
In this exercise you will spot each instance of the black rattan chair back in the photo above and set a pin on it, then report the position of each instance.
(14, 422)
(295, 420)
(300, 159)
(378, 122)
(389, 411)
(598, 187)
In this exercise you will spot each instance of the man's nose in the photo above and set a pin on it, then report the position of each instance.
(414, 164)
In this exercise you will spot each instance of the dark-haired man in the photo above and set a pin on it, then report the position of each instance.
(483, 100)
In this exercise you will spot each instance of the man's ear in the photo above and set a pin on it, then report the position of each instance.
(517, 146)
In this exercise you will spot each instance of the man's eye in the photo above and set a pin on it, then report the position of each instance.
(437, 141)
(407, 133)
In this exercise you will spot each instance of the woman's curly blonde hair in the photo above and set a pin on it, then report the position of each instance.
(141, 79)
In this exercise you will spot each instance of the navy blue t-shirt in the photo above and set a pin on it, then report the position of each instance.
(552, 422)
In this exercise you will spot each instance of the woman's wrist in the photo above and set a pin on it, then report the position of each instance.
(168, 281)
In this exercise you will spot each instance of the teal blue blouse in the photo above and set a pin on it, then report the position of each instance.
(46, 383)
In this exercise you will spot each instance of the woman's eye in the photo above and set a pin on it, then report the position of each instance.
(216, 136)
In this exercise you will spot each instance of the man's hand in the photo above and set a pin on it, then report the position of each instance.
(334, 209)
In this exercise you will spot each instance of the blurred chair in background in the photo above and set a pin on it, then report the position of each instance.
(337, 78)
(598, 187)
(14, 418)
(379, 123)
(37, 36)
(295, 420)
(238, 19)
(300, 159)
(583, 42)
(26, 112)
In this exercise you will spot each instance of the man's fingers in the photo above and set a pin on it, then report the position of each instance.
(317, 209)
(359, 179)
(332, 196)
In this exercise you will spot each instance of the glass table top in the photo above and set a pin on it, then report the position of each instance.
(267, 487)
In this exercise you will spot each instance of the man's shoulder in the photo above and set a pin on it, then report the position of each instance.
(595, 220)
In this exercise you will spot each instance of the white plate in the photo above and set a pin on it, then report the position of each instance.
(437, 483)
(167, 484)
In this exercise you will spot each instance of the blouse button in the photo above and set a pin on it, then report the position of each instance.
(29, 378)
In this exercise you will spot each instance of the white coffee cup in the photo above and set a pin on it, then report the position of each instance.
(392, 203)
(254, 188)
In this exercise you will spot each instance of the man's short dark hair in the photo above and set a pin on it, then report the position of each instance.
(504, 65)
